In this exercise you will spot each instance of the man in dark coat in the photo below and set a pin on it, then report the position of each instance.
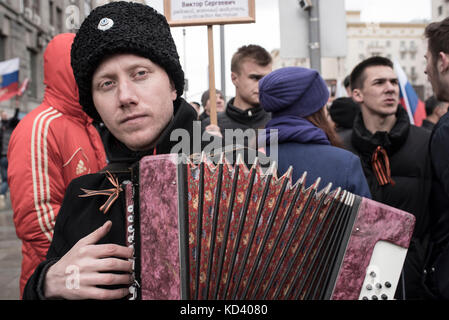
(129, 77)
(437, 70)
(248, 65)
(394, 159)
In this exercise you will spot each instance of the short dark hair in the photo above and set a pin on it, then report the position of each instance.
(358, 73)
(261, 56)
(205, 96)
(347, 81)
(437, 34)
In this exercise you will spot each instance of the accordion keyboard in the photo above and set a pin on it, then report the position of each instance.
(383, 272)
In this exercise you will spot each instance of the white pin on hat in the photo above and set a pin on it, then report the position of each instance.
(105, 24)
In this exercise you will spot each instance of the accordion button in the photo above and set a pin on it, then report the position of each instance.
(369, 287)
(384, 297)
(372, 274)
(374, 298)
(378, 286)
(388, 284)
(365, 298)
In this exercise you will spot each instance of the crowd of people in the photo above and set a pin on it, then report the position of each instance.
(8, 124)
(114, 95)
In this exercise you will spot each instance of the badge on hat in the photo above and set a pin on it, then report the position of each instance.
(105, 24)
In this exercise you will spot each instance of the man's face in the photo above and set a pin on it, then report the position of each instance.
(441, 109)
(246, 82)
(380, 92)
(134, 98)
(220, 103)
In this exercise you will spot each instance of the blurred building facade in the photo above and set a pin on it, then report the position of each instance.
(26, 27)
(403, 42)
(440, 9)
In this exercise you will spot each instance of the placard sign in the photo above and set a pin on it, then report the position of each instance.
(208, 12)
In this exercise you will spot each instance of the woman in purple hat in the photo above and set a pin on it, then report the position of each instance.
(296, 98)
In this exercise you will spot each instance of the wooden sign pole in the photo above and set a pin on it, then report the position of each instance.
(212, 93)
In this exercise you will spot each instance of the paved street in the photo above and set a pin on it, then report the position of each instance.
(10, 256)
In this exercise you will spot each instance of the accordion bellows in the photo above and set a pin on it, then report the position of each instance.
(218, 231)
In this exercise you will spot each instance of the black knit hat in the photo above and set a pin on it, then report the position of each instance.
(122, 27)
(343, 112)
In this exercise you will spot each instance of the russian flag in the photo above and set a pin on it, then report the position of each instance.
(23, 87)
(408, 98)
(9, 78)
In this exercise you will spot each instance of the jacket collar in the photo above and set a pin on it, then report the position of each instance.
(366, 142)
(254, 114)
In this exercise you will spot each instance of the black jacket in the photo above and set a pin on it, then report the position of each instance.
(438, 265)
(79, 217)
(426, 124)
(439, 152)
(406, 146)
(6, 129)
(235, 118)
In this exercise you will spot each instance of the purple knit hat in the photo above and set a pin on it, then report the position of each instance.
(293, 91)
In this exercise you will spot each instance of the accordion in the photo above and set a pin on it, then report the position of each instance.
(220, 231)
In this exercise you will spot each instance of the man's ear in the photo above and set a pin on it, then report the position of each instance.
(443, 62)
(234, 78)
(357, 95)
(173, 93)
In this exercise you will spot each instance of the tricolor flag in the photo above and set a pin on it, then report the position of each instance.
(23, 87)
(9, 78)
(408, 98)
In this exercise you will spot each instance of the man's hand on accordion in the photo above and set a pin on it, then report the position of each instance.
(88, 265)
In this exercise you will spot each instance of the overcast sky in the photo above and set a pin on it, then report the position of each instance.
(391, 10)
(192, 47)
